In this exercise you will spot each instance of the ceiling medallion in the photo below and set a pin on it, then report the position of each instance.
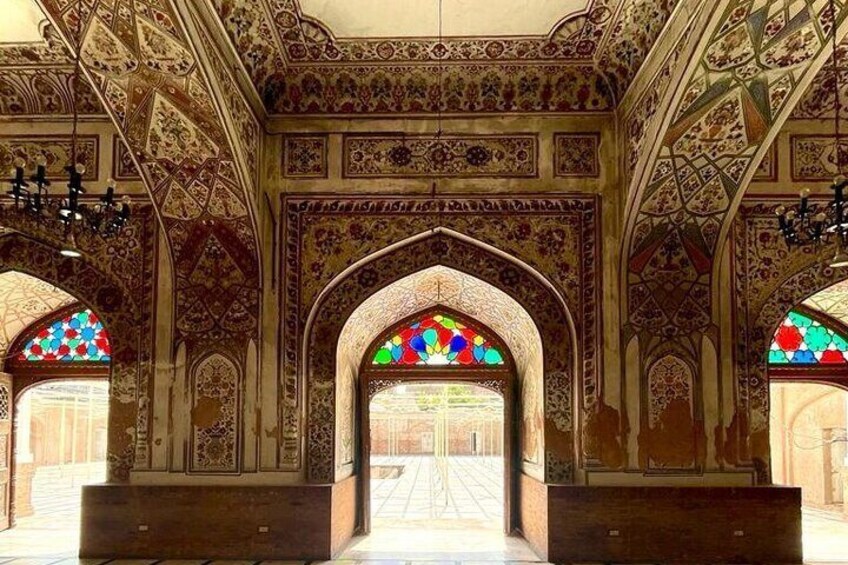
(816, 225)
(105, 218)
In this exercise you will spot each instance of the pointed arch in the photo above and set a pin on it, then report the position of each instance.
(437, 337)
(63, 342)
(101, 292)
(439, 247)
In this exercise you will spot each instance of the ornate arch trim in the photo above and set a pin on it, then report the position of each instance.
(439, 249)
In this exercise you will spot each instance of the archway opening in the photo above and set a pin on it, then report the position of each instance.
(437, 457)
(60, 446)
(439, 332)
(54, 404)
(808, 420)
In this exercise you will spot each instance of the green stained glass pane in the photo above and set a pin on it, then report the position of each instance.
(383, 357)
(840, 343)
(777, 357)
(492, 357)
(799, 319)
(817, 338)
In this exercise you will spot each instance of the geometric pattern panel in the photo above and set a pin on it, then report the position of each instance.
(305, 156)
(367, 156)
(23, 300)
(739, 89)
(801, 340)
(78, 337)
(142, 63)
(437, 339)
(576, 154)
(832, 301)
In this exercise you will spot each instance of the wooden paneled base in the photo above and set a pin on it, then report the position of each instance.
(662, 524)
(303, 522)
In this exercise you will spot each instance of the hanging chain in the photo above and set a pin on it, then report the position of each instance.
(837, 103)
(75, 83)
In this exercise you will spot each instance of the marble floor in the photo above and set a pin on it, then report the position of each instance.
(51, 536)
(446, 493)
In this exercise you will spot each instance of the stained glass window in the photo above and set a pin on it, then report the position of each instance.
(78, 337)
(800, 340)
(438, 340)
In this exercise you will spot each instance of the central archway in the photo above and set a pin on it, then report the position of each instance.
(443, 345)
(333, 390)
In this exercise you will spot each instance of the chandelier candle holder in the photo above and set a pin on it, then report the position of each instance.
(821, 225)
(817, 225)
(104, 217)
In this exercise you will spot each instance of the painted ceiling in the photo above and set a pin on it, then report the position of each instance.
(21, 22)
(368, 57)
(832, 301)
(459, 18)
(23, 300)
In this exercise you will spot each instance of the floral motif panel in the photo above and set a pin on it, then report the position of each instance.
(56, 150)
(368, 156)
(123, 167)
(79, 337)
(814, 157)
(215, 415)
(801, 340)
(576, 155)
(438, 340)
(305, 156)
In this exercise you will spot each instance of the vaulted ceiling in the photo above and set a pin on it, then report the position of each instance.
(327, 57)
(23, 300)
(324, 57)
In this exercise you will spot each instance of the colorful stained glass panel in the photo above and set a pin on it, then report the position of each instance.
(800, 340)
(78, 337)
(438, 340)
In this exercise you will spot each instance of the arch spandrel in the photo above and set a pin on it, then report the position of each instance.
(738, 91)
(340, 302)
(153, 75)
(104, 294)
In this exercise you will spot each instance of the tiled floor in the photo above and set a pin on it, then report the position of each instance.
(51, 536)
(453, 492)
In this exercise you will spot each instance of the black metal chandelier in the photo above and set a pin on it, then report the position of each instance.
(105, 217)
(820, 224)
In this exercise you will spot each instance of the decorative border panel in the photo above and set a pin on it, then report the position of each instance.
(813, 157)
(557, 236)
(576, 155)
(456, 156)
(305, 156)
(123, 167)
(768, 167)
(56, 149)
